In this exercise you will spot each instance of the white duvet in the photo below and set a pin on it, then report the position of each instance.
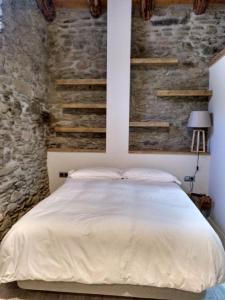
(115, 232)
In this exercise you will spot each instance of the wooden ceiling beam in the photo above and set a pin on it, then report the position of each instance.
(158, 3)
(146, 9)
(95, 7)
(74, 3)
(200, 6)
(47, 8)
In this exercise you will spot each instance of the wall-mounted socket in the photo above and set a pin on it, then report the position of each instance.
(189, 179)
(63, 174)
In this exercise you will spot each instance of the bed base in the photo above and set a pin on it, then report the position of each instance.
(111, 290)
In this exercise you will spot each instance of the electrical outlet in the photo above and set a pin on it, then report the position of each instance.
(189, 178)
(63, 174)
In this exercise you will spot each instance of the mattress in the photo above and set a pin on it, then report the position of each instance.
(115, 232)
(119, 290)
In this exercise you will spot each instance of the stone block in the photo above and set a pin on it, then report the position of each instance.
(7, 170)
(16, 197)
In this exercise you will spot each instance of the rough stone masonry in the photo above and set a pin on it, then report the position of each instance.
(77, 45)
(23, 92)
(1, 25)
(177, 32)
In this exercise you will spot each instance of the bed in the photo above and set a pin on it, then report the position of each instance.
(115, 237)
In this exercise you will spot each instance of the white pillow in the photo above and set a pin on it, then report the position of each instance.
(152, 175)
(98, 172)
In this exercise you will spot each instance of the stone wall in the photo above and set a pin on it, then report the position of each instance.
(172, 32)
(1, 24)
(23, 128)
(77, 50)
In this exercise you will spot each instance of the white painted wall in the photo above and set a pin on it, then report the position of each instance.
(217, 144)
(179, 165)
(118, 75)
(118, 103)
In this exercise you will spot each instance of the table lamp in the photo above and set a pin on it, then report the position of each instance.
(200, 120)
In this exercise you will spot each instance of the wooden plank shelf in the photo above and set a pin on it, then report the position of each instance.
(69, 82)
(166, 152)
(83, 106)
(154, 61)
(150, 124)
(184, 93)
(80, 129)
(75, 150)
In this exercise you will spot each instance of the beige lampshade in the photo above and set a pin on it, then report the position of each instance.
(199, 119)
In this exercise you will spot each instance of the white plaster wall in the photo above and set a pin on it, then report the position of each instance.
(179, 165)
(118, 75)
(217, 143)
(118, 98)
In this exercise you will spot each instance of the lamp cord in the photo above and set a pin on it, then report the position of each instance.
(194, 175)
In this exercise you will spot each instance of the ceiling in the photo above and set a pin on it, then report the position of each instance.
(159, 3)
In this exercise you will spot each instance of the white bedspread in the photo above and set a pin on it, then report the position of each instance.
(115, 231)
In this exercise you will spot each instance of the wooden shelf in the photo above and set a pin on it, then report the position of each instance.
(75, 150)
(154, 61)
(184, 93)
(166, 152)
(80, 129)
(81, 82)
(150, 124)
(83, 105)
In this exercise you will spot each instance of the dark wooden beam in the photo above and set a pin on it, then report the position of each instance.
(48, 9)
(146, 9)
(159, 3)
(200, 6)
(95, 7)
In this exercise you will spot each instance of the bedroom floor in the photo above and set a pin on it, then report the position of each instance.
(12, 292)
